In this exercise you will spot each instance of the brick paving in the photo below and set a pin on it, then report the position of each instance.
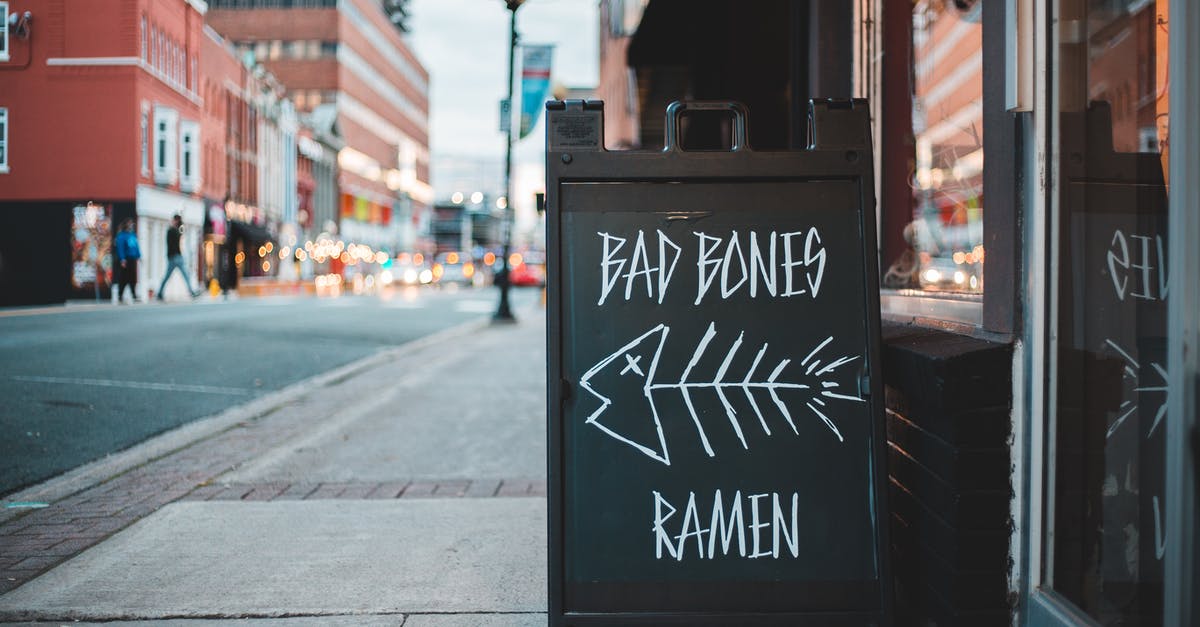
(44, 538)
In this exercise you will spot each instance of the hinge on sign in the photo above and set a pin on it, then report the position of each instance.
(565, 390)
(864, 386)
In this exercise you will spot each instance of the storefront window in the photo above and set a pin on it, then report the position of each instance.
(945, 235)
(1106, 556)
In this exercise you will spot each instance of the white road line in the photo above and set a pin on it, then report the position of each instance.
(140, 385)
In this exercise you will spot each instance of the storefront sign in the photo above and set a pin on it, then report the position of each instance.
(716, 426)
(217, 223)
(91, 245)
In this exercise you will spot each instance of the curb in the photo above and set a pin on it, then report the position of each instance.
(101, 470)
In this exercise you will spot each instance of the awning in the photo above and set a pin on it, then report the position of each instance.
(249, 232)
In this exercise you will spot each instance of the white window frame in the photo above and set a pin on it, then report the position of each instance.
(189, 164)
(166, 145)
(145, 139)
(4, 42)
(3, 140)
(145, 36)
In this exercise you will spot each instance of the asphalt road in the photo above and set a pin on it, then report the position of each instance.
(78, 383)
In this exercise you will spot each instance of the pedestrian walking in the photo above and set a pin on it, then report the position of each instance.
(175, 258)
(128, 253)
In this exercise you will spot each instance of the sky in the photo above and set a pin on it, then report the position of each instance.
(464, 46)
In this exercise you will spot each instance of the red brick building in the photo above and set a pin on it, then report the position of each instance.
(102, 111)
(348, 54)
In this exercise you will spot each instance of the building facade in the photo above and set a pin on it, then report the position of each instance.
(348, 55)
(102, 111)
(1039, 335)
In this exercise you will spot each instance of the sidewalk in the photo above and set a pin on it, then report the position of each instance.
(387, 492)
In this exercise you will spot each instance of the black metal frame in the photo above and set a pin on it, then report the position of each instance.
(840, 150)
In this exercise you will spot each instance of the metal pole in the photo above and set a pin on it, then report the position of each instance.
(503, 311)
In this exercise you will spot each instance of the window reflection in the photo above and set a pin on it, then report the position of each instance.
(1109, 542)
(945, 236)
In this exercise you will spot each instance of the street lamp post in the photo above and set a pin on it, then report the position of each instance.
(504, 311)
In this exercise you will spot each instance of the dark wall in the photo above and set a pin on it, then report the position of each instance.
(949, 403)
(770, 55)
(35, 252)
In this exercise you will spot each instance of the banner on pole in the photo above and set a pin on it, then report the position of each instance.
(535, 84)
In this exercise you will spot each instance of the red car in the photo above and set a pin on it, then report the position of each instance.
(528, 275)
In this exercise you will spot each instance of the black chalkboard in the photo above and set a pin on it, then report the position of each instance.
(715, 414)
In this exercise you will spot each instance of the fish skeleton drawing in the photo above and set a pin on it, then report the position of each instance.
(818, 385)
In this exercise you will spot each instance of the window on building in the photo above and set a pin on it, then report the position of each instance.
(4, 31)
(942, 246)
(145, 140)
(1109, 486)
(189, 170)
(3, 139)
(166, 133)
(143, 39)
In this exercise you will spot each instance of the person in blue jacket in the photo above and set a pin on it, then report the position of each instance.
(128, 254)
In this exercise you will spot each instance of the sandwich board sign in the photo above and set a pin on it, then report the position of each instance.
(715, 412)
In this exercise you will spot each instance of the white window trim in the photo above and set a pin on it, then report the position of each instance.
(5, 55)
(145, 139)
(168, 173)
(4, 140)
(189, 139)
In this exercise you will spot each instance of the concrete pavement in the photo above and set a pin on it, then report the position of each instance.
(407, 492)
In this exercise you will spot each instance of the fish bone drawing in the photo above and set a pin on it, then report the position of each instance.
(819, 386)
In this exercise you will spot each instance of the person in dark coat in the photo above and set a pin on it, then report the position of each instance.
(128, 253)
(175, 258)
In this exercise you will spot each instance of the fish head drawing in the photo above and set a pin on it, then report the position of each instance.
(621, 382)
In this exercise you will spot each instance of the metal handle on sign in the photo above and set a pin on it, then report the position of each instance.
(676, 109)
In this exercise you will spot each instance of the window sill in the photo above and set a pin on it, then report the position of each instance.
(918, 306)
(3, 169)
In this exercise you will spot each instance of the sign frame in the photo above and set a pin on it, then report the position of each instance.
(840, 150)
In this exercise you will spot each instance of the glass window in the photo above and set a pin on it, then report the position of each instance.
(1107, 550)
(189, 137)
(945, 235)
(145, 127)
(166, 133)
(3, 139)
(3, 31)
